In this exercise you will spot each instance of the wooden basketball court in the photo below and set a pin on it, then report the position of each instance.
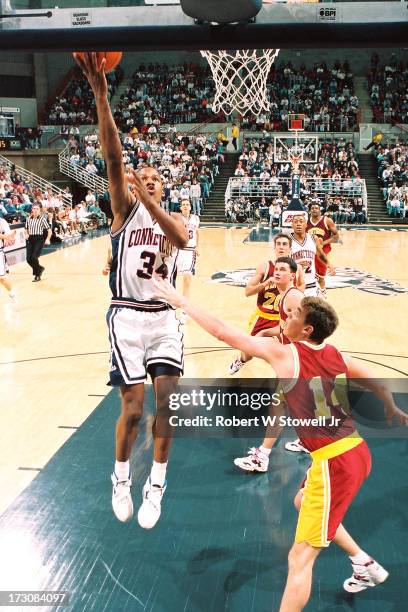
(57, 423)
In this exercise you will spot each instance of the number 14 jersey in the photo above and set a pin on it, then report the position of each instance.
(139, 250)
(319, 389)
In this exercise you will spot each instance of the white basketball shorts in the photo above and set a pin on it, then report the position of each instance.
(311, 291)
(140, 339)
(186, 262)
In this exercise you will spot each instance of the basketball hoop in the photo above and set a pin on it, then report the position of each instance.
(240, 79)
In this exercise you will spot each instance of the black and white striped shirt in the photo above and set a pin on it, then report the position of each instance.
(36, 226)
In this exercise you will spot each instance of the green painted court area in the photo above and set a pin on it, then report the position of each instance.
(221, 543)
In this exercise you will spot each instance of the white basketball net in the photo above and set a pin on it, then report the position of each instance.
(240, 79)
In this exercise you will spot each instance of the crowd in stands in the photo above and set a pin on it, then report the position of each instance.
(76, 105)
(173, 94)
(388, 89)
(325, 95)
(166, 94)
(187, 163)
(262, 188)
(18, 195)
(392, 162)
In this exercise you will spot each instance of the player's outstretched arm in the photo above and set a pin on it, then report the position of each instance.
(365, 378)
(121, 198)
(172, 225)
(265, 348)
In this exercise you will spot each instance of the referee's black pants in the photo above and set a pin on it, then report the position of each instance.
(34, 247)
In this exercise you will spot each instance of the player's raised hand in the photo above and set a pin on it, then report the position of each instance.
(94, 72)
(166, 292)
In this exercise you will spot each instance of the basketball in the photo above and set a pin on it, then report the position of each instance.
(113, 58)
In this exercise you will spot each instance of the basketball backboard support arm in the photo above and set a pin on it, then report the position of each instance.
(348, 24)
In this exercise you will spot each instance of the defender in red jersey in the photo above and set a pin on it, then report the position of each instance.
(325, 229)
(313, 371)
(257, 458)
(266, 316)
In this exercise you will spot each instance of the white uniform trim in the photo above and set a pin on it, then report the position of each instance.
(131, 215)
(296, 364)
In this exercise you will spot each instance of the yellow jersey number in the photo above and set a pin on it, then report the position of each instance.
(338, 398)
(272, 301)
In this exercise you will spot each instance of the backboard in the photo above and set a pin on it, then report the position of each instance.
(300, 146)
(159, 25)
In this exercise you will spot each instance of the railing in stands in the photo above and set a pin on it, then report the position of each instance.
(35, 180)
(256, 188)
(403, 127)
(92, 181)
(199, 128)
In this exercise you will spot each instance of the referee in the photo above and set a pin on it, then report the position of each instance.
(34, 230)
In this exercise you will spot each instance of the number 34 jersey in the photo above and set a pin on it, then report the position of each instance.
(140, 249)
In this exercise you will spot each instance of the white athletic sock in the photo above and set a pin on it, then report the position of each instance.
(265, 451)
(361, 558)
(158, 473)
(122, 470)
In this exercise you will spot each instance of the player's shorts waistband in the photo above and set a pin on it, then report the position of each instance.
(337, 448)
(149, 306)
(310, 286)
(266, 315)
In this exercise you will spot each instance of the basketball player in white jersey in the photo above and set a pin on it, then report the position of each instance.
(6, 235)
(188, 256)
(305, 248)
(143, 331)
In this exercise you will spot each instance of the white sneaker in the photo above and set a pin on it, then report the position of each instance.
(322, 293)
(13, 298)
(150, 510)
(368, 575)
(236, 366)
(182, 317)
(255, 461)
(296, 447)
(122, 503)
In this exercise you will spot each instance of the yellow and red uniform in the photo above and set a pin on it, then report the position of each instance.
(341, 459)
(321, 230)
(266, 314)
